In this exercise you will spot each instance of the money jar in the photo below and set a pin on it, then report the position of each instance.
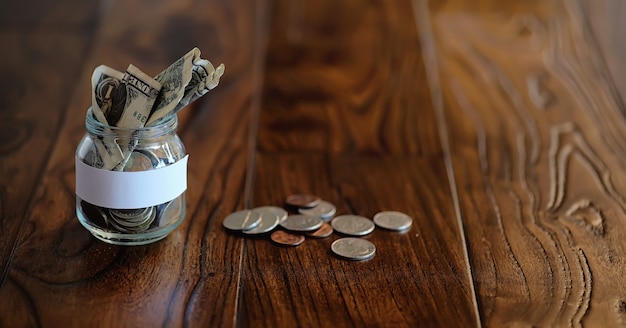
(130, 183)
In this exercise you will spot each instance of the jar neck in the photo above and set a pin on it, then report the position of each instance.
(164, 127)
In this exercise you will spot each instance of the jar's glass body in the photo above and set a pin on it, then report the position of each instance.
(112, 184)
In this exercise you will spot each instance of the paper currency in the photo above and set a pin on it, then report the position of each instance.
(174, 79)
(107, 92)
(204, 77)
(122, 100)
(141, 93)
(186, 80)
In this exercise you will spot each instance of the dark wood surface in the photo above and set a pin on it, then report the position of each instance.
(499, 126)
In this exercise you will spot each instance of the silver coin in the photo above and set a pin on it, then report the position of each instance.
(242, 220)
(353, 225)
(269, 221)
(393, 220)
(140, 161)
(353, 248)
(133, 218)
(324, 210)
(134, 226)
(301, 222)
(281, 213)
(129, 213)
(169, 212)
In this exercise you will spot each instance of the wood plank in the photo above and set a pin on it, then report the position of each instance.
(51, 16)
(536, 135)
(62, 275)
(39, 69)
(346, 115)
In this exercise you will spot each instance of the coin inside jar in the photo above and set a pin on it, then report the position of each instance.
(132, 220)
(351, 248)
(141, 160)
(302, 200)
(286, 239)
(352, 225)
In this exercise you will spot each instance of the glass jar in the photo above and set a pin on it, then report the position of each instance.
(130, 183)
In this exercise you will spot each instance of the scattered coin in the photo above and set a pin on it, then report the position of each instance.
(281, 213)
(269, 221)
(242, 220)
(324, 210)
(303, 200)
(353, 248)
(393, 220)
(301, 222)
(324, 231)
(287, 239)
(353, 225)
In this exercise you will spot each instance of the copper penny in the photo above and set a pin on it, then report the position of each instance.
(286, 239)
(324, 231)
(303, 200)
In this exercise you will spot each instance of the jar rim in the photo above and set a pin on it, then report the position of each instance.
(165, 125)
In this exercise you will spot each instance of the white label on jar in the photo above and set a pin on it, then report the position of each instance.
(126, 190)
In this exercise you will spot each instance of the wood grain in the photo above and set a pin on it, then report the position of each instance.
(536, 130)
(62, 275)
(335, 122)
(38, 71)
(499, 126)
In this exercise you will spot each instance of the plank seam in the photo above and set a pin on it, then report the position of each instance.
(424, 30)
(259, 53)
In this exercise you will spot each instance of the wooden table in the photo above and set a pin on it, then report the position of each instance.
(499, 126)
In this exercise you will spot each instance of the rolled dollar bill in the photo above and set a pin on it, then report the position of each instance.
(204, 77)
(187, 79)
(173, 79)
(108, 94)
(122, 100)
(106, 86)
(141, 93)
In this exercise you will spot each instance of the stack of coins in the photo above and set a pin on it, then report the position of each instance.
(138, 219)
(315, 218)
(132, 220)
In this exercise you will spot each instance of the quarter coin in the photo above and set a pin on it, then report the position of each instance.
(324, 231)
(393, 220)
(301, 222)
(351, 248)
(286, 239)
(352, 225)
(269, 221)
(281, 213)
(303, 200)
(242, 220)
(324, 210)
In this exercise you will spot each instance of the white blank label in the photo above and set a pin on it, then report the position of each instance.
(126, 190)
